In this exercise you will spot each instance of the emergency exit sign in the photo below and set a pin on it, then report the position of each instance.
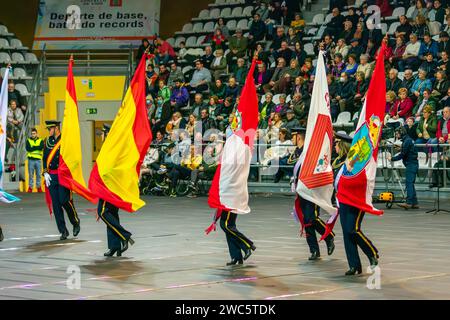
(91, 110)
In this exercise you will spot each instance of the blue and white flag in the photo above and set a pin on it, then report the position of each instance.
(4, 196)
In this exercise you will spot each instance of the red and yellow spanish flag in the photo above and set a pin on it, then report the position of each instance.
(115, 176)
(70, 172)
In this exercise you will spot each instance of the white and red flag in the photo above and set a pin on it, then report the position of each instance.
(229, 190)
(356, 179)
(315, 179)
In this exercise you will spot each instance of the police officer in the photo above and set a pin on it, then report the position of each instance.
(34, 147)
(408, 155)
(61, 196)
(118, 237)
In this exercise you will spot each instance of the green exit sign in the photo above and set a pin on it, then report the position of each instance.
(91, 110)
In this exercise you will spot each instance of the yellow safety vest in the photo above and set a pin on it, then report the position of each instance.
(36, 154)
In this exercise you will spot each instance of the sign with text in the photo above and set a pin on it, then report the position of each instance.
(95, 24)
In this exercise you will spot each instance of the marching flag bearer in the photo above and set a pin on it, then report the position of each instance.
(57, 196)
(115, 176)
(313, 173)
(229, 192)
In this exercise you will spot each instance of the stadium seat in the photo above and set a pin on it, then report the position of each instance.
(237, 12)
(396, 13)
(432, 15)
(423, 161)
(4, 31)
(318, 19)
(200, 41)
(410, 11)
(5, 58)
(384, 28)
(198, 27)
(220, 1)
(20, 73)
(328, 18)
(22, 89)
(191, 41)
(187, 28)
(231, 25)
(4, 44)
(171, 41)
(242, 24)
(309, 49)
(204, 14)
(393, 27)
(214, 13)
(247, 12)
(178, 40)
(435, 27)
(343, 120)
(18, 58)
(17, 44)
(208, 27)
(187, 69)
(226, 12)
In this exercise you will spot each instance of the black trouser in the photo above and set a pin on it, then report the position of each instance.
(439, 173)
(177, 173)
(115, 232)
(62, 198)
(351, 219)
(313, 224)
(235, 239)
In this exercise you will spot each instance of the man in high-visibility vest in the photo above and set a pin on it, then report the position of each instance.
(35, 148)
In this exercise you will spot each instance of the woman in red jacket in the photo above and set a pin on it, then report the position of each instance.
(402, 108)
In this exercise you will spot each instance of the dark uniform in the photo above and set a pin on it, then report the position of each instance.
(237, 241)
(118, 236)
(61, 196)
(1, 234)
(351, 219)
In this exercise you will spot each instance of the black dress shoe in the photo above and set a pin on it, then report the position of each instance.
(330, 247)
(76, 230)
(248, 253)
(235, 261)
(253, 247)
(64, 235)
(373, 262)
(1, 235)
(125, 245)
(314, 256)
(110, 252)
(352, 271)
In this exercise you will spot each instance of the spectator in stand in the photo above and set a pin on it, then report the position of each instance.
(263, 55)
(424, 100)
(428, 45)
(336, 23)
(219, 64)
(192, 126)
(443, 132)
(183, 171)
(364, 66)
(213, 105)
(359, 32)
(420, 27)
(266, 107)
(402, 107)
(208, 57)
(338, 65)
(397, 52)
(444, 63)
(292, 38)
(180, 96)
(411, 128)
(257, 30)
(355, 49)
(238, 46)
(299, 54)
(291, 121)
(300, 109)
(182, 51)
(333, 87)
(352, 16)
(220, 24)
(175, 73)
(276, 75)
(207, 122)
(445, 101)
(446, 26)
(393, 82)
(218, 40)
(14, 94)
(420, 84)
(200, 78)
(444, 44)
(15, 120)
(420, 10)
(300, 87)
(284, 52)
(261, 9)
(283, 85)
(440, 86)
(165, 52)
(222, 113)
(232, 89)
(298, 25)
(164, 91)
(372, 51)
(351, 66)
(326, 45)
(439, 11)
(277, 40)
(429, 65)
(163, 74)
(273, 18)
(347, 32)
(275, 124)
(426, 129)
(177, 122)
(145, 46)
(373, 34)
(262, 77)
(404, 29)
(218, 89)
(307, 69)
(240, 72)
(345, 92)
(391, 98)
(408, 80)
(410, 57)
(341, 48)
(282, 107)
(198, 105)
(162, 115)
(360, 88)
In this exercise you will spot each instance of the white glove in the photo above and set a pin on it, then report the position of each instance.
(48, 179)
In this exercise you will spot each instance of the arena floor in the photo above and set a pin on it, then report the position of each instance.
(173, 259)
